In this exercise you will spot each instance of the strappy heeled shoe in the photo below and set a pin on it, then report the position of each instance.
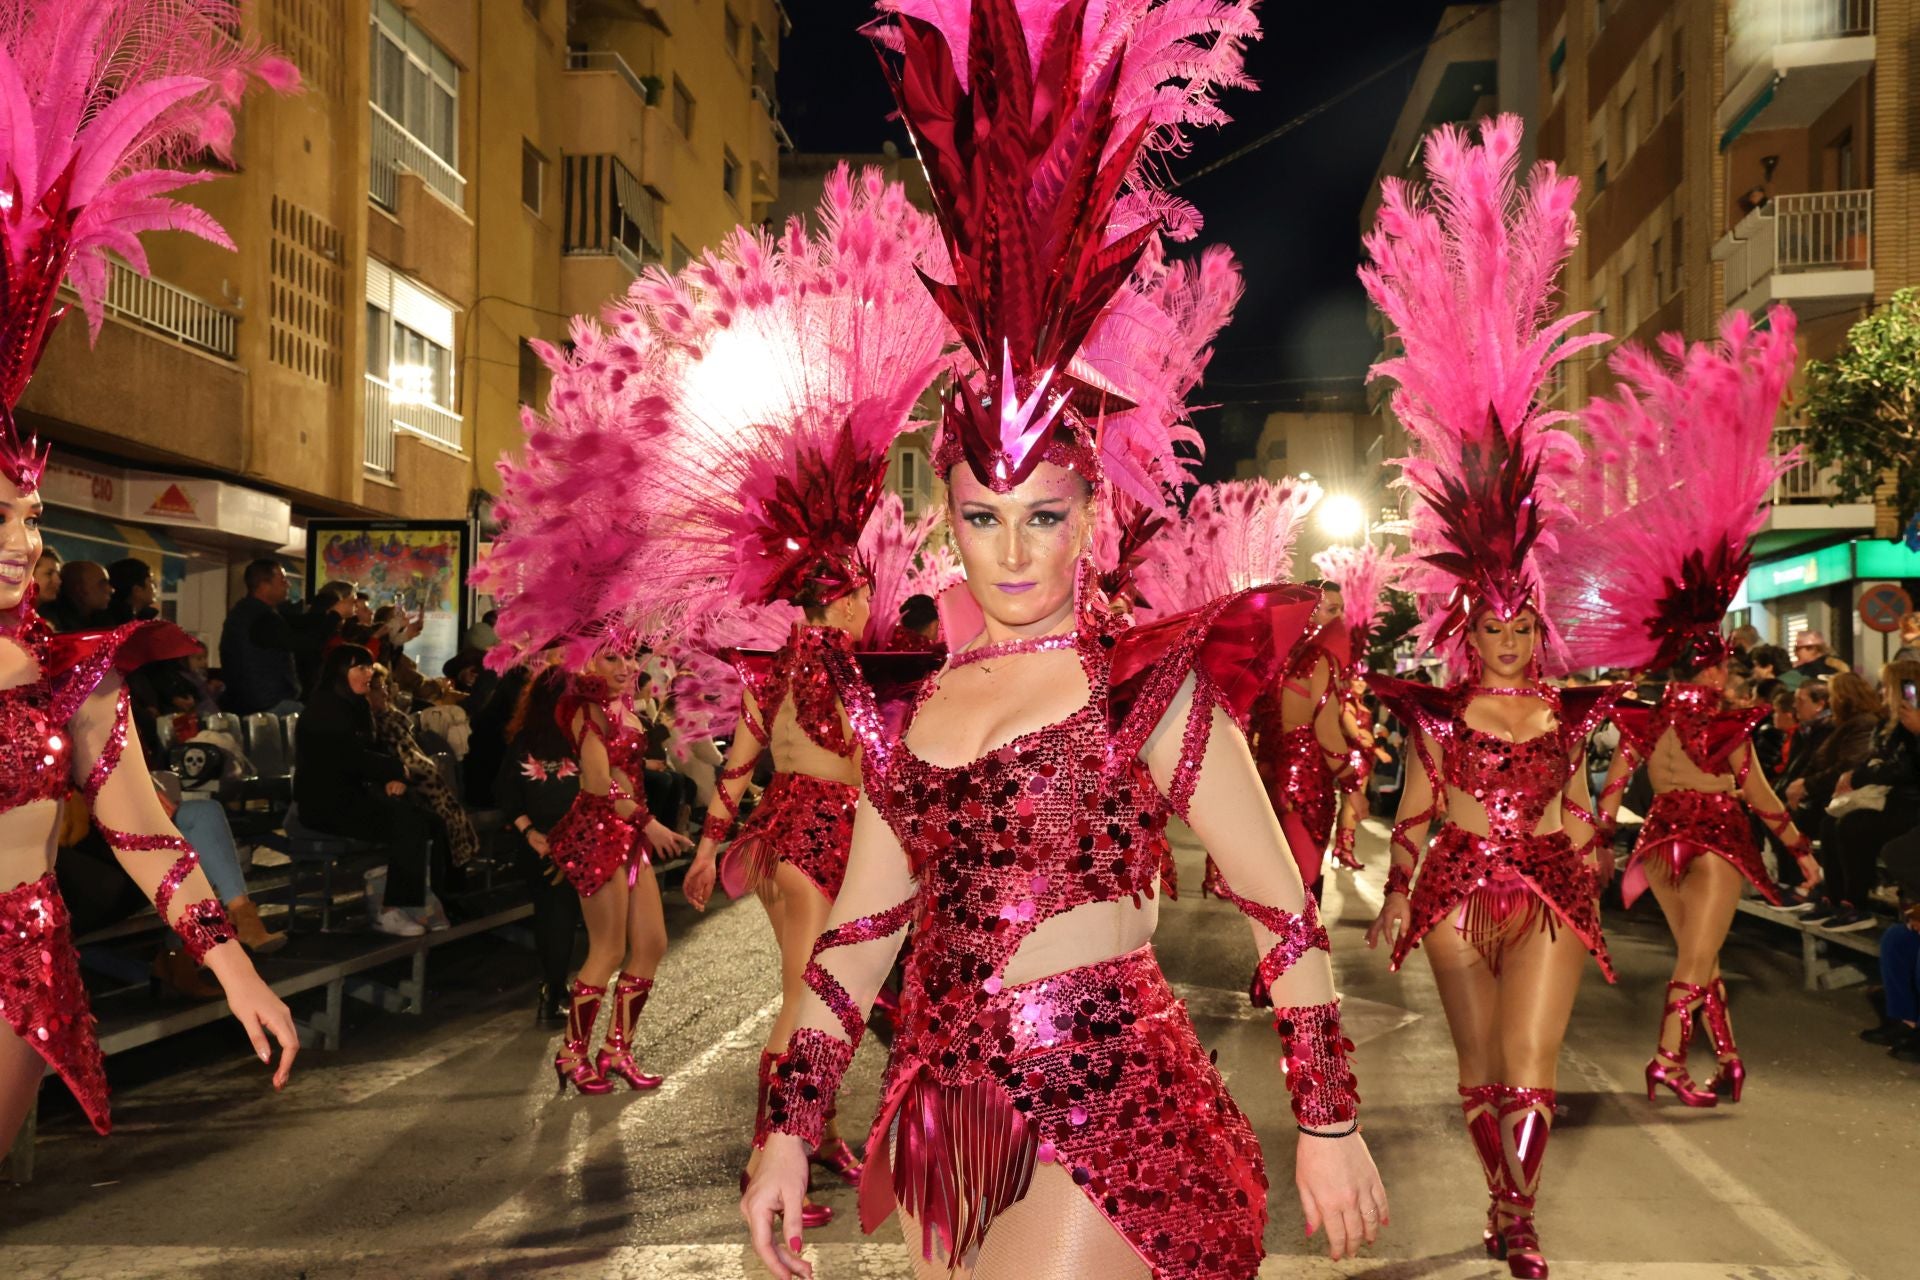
(837, 1156)
(1479, 1106)
(1526, 1122)
(1732, 1073)
(571, 1064)
(616, 1055)
(1519, 1239)
(1669, 1066)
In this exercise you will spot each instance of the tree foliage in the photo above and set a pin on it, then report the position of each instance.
(1862, 407)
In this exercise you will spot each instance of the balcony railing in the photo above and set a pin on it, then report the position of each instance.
(1804, 482)
(1756, 26)
(164, 308)
(1820, 231)
(608, 60)
(390, 413)
(394, 151)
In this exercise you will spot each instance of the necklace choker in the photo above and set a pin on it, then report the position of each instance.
(1008, 648)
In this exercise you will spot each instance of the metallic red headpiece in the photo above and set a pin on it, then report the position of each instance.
(97, 100)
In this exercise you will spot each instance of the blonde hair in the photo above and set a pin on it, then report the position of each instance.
(1892, 676)
(1850, 695)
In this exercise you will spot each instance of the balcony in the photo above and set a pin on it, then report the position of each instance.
(663, 14)
(395, 151)
(1789, 60)
(167, 309)
(604, 108)
(1805, 502)
(391, 414)
(1813, 250)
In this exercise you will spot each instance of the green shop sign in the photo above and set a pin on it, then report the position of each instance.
(1874, 559)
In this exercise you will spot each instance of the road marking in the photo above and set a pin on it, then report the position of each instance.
(535, 1203)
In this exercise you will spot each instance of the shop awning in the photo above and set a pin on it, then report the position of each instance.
(1749, 114)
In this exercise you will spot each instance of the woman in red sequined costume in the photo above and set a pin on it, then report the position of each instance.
(115, 90)
(1047, 1109)
(1696, 431)
(605, 845)
(1504, 897)
(1362, 574)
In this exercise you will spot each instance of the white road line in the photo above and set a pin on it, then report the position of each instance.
(535, 1203)
(1725, 1190)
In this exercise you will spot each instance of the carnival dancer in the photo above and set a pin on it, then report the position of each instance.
(1047, 1110)
(1505, 898)
(99, 99)
(1362, 574)
(1660, 562)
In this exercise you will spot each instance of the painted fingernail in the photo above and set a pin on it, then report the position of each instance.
(794, 1243)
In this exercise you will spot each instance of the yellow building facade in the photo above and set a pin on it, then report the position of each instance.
(456, 178)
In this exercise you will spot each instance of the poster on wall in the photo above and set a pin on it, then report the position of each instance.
(417, 566)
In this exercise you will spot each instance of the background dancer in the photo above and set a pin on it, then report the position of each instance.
(1363, 575)
(1506, 895)
(1659, 572)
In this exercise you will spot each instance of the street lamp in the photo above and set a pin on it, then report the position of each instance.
(1342, 517)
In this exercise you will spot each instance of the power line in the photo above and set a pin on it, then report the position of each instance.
(1328, 104)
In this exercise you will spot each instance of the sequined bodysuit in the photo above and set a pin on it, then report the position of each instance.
(1515, 872)
(592, 841)
(1292, 762)
(802, 819)
(41, 995)
(1096, 1069)
(1685, 824)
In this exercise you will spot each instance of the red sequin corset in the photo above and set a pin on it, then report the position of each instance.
(626, 744)
(35, 756)
(1515, 782)
(1000, 845)
(799, 670)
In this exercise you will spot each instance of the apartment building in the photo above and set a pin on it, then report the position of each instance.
(458, 177)
(1734, 154)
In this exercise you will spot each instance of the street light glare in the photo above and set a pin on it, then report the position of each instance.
(1342, 516)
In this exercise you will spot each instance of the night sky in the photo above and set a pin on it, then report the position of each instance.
(1290, 210)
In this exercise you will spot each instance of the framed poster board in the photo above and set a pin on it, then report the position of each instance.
(420, 566)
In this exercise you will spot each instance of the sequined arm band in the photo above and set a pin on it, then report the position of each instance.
(1780, 822)
(1297, 934)
(802, 1085)
(1399, 880)
(203, 925)
(717, 827)
(1314, 1059)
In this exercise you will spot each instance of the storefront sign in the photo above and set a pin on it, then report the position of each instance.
(85, 486)
(1884, 558)
(1883, 604)
(208, 504)
(1790, 575)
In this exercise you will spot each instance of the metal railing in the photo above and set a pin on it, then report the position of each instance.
(169, 309)
(610, 249)
(389, 413)
(608, 60)
(1804, 482)
(1756, 26)
(1823, 231)
(394, 150)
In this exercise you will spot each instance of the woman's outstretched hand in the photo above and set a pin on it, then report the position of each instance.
(1340, 1189)
(1395, 918)
(664, 839)
(697, 884)
(263, 1014)
(772, 1206)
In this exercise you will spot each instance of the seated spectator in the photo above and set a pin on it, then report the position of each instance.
(536, 781)
(481, 636)
(1771, 739)
(1886, 788)
(82, 602)
(1856, 713)
(1812, 659)
(1744, 639)
(1812, 722)
(442, 712)
(346, 784)
(467, 672)
(134, 592)
(46, 580)
(1767, 662)
(320, 623)
(257, 646)
(487, 745)
(393, 730)
(1909, 650)
(1900, 977)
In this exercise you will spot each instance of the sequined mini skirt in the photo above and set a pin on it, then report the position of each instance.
(801, 820)
(41, 996)
(1301, 788)
(1684, 825)
(591, 843)
(1495, 888)
(1097, 1070)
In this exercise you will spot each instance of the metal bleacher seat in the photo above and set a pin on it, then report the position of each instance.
(266, 746)
(308, 849)
(223, 722)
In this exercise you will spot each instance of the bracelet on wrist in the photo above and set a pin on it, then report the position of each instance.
(1347, 1132)
(1399, 880)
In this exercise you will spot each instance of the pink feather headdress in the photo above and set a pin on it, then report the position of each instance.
(1033, 118)
(1666, 519)
(891, 549)
(1236, 534)
(1466, 277)
(727, 429)
(100, 101)
(1363, 574)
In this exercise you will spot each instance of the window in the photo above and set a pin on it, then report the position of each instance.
(1679, 78)
(1630, 295)
(1600, 151)
(379, 340)
(1599, 15)
(680, 255)
(682, 108)
(733, 35)
(531, 367)
(1840, 162)
(1602, 320)
(422, 370)
(533, 176)
(730, 175)
(1653, 84)
(414, 82)
(1658, 251)
(409, 338)
(1557, 66)
(1629, 125)
(1676, 251)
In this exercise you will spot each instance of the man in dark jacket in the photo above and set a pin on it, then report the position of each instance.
(84, 595)
(257, 646)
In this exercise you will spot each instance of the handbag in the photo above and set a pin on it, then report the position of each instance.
(1872, 797)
